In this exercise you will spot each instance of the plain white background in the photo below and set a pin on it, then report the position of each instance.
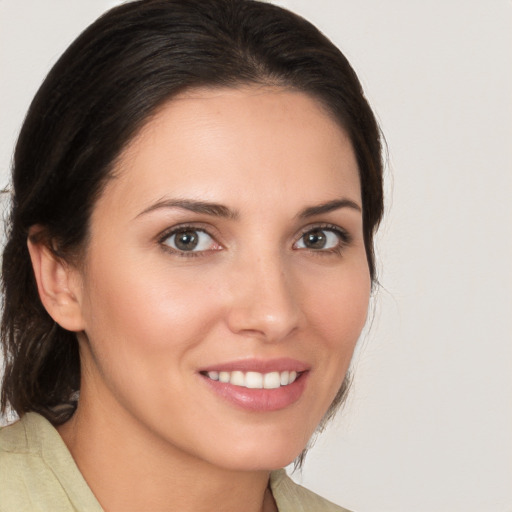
(428, 426)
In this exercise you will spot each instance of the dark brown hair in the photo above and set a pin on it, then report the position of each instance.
(97, 97)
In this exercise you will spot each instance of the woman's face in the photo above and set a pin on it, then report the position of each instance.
(226, 259)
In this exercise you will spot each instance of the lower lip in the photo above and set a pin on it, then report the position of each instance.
(260, 400)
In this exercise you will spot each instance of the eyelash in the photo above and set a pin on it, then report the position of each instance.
(175, 230)
(343, 236)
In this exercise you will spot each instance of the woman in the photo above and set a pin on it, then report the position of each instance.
(189, 261)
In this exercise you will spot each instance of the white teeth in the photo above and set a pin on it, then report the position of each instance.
(271, 380)
(237, 378)
(255, 380)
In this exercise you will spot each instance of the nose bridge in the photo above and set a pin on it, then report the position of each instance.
(264, 298)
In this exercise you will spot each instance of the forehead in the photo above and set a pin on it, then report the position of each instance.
(216, 143)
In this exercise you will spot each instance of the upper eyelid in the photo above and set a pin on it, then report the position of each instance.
(192, 226)
(328, 227)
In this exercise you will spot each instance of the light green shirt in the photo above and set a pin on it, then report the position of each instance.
(38, 474)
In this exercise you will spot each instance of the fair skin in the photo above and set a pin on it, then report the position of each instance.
(229, 241)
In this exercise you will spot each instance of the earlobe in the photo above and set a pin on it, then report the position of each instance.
(57, 283)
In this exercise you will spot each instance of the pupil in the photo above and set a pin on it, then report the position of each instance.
(315, 239)
(187, 240)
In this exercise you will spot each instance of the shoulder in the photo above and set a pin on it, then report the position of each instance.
(292, 497)
(18, 452)
(37, 472)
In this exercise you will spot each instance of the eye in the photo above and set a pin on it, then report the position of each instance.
(190, 240)
(322, 239)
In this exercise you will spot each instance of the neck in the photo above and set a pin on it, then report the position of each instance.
(131, 469)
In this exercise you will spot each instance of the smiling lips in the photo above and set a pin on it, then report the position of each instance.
(255, 380)
(258, 386)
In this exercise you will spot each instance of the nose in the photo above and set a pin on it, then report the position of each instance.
(264, 298)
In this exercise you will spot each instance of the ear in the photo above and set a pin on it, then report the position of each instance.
(58, 283)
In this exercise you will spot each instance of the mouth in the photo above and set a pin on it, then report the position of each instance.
(254, 380)
(258, 386)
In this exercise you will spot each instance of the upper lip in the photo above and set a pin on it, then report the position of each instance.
(259, 365)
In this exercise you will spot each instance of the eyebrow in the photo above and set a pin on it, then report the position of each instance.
(330, 206)
(219, 210)
(204, 207)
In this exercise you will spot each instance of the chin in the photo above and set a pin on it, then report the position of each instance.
(261, 455)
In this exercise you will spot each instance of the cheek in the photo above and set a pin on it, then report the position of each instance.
(339, 308)
(337, 315)
(134, 306)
